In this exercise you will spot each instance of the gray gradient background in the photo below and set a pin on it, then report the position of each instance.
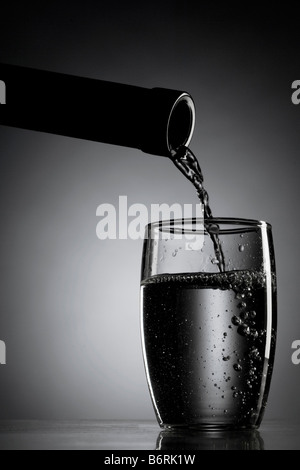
(69, 303)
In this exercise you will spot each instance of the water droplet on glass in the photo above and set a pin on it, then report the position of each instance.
(226, 358)
(213, 228)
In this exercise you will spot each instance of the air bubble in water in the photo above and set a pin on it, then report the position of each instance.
(254, 353)
(244, 315)
(237, 367)
(242, 305)
(236, 320)
(244, 330)
(241, 248)
(240, 295)
(254, 333)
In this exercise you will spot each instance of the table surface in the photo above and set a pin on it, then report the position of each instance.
(140, 435)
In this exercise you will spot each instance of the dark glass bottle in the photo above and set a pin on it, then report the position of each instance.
(156, 120)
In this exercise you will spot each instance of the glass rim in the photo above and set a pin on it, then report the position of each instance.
(237, 224)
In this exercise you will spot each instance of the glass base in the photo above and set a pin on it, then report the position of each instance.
(208, 437)
(209, 427)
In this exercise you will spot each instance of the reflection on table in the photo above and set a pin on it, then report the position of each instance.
(209, 440)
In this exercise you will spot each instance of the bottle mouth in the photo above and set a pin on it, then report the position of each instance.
(181, 122)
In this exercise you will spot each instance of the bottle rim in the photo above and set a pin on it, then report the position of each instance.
(181, 122)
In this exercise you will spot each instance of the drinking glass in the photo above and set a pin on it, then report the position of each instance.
(208, 321)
